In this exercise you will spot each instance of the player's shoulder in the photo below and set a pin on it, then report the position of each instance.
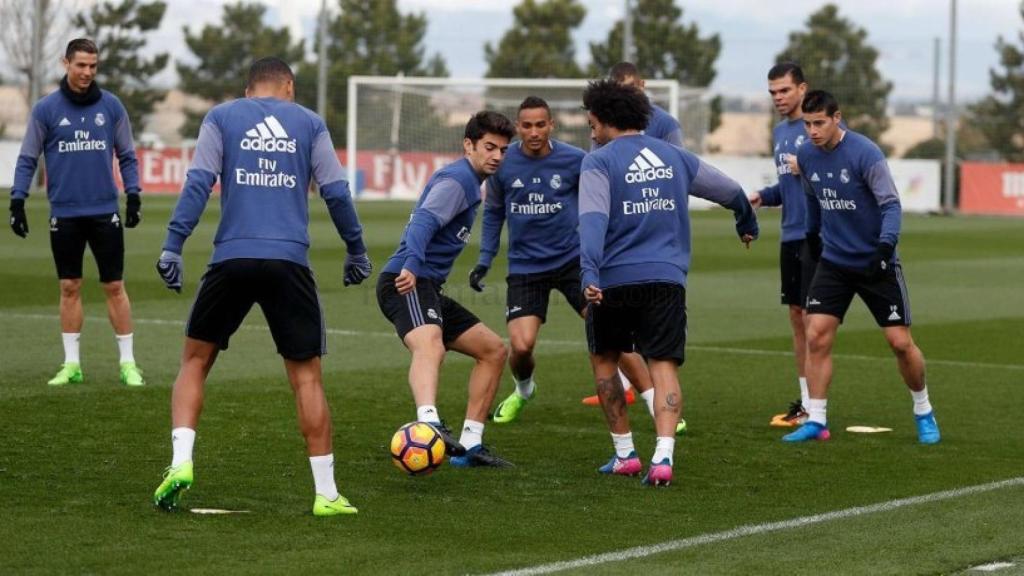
(47, 103)
(863, 146)
(661, 116)
(565, 150)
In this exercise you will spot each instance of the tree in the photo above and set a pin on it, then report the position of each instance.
(665, 48)
(1000, 116)
(224, 52)
(16, 23)
(539, 44)
(835, 56)
(369, 38)
(119, 32)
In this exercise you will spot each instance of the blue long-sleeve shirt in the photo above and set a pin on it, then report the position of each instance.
(79, 143)
(440, 224)
(854, 204)
(787, 137)
(660, 125)
(265, 152)
(539, 198)
(634, 217)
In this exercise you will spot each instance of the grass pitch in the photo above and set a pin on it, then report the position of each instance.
(78, 465)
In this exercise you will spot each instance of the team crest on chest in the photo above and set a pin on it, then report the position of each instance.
(556, 182)
(844, 176)
(100, 119)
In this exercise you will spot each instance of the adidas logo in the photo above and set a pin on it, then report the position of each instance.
(894, 315)
(647, 166)
(815, 178)
(518, 183)
(64, 122)
(268, 136)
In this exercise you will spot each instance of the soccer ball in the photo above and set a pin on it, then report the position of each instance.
(417, 448)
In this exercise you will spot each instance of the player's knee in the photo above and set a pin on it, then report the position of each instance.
(495, 352)
(70, 288)
(521, 346)
(818, 341)
(114, 289)
(900, 343)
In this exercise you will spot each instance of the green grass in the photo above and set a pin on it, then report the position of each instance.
(78, 465)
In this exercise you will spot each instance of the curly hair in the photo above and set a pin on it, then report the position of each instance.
(614, 104)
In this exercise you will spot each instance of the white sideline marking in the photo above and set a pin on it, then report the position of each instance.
(756, 529)
(993, 567)
(567, 343)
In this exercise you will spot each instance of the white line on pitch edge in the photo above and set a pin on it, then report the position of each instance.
(567, 343)
(756, 529)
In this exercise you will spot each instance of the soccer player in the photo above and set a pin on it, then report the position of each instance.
(429, 322)
(264, 148)
(856, 210)
(78, 129)
(787, 87)
(536, 190)
(635, 255)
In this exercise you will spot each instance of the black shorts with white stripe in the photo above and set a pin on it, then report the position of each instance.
(834, 287)
(426, 304)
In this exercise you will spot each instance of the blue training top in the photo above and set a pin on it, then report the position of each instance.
(440, 224)
(788, 136)
(539, 198)
(634, 217)
(79, 143)
(660, 125)
(855, 204)
(265, 152)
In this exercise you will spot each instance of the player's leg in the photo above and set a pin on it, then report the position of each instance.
(465, 333)
(67, 242)
(522, 336)
(106, 240)
(790, 267)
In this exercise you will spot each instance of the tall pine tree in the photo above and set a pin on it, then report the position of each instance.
(539, 43)
(1000, 116)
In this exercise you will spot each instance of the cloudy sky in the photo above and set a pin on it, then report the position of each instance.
(752, 32)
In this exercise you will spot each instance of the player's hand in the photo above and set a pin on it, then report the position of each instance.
(133, 210)
(755, 199)
(794, 167)
(19, 222)
(170, 269)
(593, 294)
(405, 282)
(357, 268)
(813, 241)
(476, 277)
(880, 263)
(747, 239)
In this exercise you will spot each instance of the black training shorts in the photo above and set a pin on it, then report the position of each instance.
(646, 318)
(528, 294)
(104, 236)
(426, 304)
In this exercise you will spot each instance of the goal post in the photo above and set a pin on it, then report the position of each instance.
(400, 129)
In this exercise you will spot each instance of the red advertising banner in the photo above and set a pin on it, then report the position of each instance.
(992, 188)
(379, 174)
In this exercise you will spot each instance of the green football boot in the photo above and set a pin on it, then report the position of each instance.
(510, 407)
(176, 480)
(340, 505)
(70, 373)
(131, 375)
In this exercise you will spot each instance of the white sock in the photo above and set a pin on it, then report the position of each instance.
(922, 405)
(816, 410)
(626, 384)
(804, 394)
(525, 387)
(472, 434)
(428, 413)
(323, 476)
(182, 441)
(125, 345)
(71, 347)
(623, 444)
(664, 448)
(648, 396)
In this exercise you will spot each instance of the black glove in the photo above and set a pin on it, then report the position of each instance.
(881, 261)
(476, 277)
(813, 242)
(133, 210)
(19, 223)
(170, 268)
(357, 268)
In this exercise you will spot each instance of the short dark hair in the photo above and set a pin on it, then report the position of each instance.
(624, 70)
(614, 104)
(793, 69)
(489, 122)
(80, 45)
(534, 102)
(269, 69)
(818, 101)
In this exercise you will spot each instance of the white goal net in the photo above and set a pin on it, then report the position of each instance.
(400, 130)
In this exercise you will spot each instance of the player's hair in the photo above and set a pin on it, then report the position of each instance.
(488, 122)
(624, 70)
(534, 102)
(793, 69)
(269, 69)
(80, 45)
(614, 104)
(818, 101)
